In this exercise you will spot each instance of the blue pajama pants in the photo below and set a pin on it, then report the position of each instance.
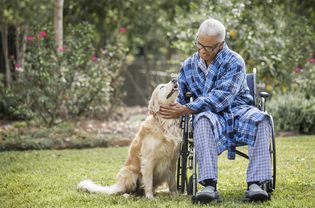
(259, 167)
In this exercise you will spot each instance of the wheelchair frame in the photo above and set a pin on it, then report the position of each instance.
(187, 158)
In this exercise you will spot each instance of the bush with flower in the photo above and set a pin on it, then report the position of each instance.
(305, 77)
(71, 81)
(295, 110)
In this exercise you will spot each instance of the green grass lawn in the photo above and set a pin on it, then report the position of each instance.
(49, 178)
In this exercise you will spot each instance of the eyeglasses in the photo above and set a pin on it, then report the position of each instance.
(209, 49)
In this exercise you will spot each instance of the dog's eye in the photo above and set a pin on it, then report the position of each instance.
(162, 87)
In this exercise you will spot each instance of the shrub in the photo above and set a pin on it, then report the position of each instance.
(72, 81)
(304, 79)
(293, 112)
(12, 105)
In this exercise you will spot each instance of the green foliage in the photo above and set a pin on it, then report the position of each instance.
(273, 36)
(24, 136)
(20, 12)
(71, 81)
(12, 105)
(144, 24)
(293, 112)
(268, 34)
(305, 80)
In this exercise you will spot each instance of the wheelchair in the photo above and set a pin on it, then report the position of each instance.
(187, 158)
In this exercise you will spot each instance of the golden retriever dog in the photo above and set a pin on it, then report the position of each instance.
(152, 154)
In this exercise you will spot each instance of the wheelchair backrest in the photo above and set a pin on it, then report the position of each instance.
(251, 82)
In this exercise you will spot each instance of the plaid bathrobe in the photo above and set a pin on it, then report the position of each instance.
(221, 94)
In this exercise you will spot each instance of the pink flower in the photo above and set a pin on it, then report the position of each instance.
(17, 66)
(30, 38)
(61, 49)
(122, 29)
(42, 34)
(298, 70)
(94, 58)
(311, 60)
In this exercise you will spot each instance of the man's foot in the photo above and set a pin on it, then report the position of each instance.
(256, 193)
(207, 195)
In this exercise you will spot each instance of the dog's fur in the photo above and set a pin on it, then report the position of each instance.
(152, 154)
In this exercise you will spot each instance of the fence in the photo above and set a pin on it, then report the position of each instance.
(141, 78)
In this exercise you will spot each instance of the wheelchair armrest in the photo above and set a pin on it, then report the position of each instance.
(264, 94)
(188, 94)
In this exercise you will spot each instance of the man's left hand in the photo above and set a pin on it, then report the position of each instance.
(174, 110)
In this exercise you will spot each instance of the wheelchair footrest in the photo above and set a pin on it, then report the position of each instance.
(267, 186)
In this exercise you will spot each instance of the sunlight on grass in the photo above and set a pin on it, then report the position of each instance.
(49, 178)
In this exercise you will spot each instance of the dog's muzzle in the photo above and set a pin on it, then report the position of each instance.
(174, 89)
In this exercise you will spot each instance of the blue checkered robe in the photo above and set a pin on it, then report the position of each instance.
(221, 95)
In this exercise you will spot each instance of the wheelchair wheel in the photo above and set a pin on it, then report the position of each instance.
(184, 153)
(182, 173)
(273, 158)
(190, 187)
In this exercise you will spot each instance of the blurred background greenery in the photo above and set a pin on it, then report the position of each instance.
(115, 51)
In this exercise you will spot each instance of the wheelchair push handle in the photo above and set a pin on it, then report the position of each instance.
(264, 94)
(190, 96)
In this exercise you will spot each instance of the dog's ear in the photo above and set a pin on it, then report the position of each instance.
(154, 106)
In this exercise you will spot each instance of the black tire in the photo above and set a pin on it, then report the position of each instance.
(190, 187)
(183, 173)
(182, 161)
(273, 157)
(178, 174)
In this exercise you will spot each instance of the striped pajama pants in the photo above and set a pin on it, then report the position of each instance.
(259, 167)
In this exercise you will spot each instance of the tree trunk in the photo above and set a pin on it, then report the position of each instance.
(4, 34)
(21, 45)
(58, 23)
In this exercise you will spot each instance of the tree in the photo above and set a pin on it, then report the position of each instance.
(145, 25)
(19, 16)
(4, 35)
(58, 23)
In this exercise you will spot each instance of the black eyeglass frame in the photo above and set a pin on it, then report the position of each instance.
(209, 49)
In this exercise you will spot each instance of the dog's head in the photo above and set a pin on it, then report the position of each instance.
(163, 94)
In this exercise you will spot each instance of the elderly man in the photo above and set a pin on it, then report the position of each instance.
(223, 112)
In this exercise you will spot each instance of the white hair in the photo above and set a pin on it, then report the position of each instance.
(212, 27)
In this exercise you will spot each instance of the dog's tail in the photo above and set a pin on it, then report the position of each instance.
(91, 187)
(126, 183)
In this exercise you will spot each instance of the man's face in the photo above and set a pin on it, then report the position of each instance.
(208, 46)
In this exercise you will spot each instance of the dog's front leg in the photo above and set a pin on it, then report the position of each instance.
(172, 181)
(173, 186)
(147, 176)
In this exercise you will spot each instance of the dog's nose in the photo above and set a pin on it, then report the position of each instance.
(174, 81)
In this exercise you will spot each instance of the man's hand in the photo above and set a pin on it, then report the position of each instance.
(174, 110)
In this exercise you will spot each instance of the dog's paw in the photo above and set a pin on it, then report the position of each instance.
(126, 195)
(174, 193)
(149, 195)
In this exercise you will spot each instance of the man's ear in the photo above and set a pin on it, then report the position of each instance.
(222, 45)
(154, 106)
